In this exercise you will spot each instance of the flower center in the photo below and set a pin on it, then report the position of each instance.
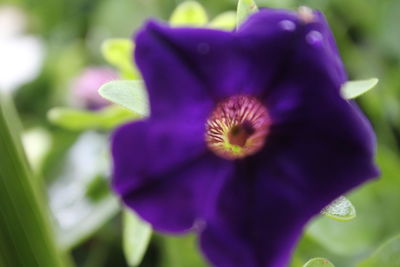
(237, 127)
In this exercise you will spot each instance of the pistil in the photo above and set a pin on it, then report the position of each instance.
(237, 127)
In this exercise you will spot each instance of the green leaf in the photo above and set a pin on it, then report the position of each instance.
(345, 239)
(353, 89)
(119, 53)
(341, 210)
(136, 238)
(189, 13)
(26, 236)
(181, 251)
(286, 4)
(388, 255)
(224, 21)
(129, 94)
(296, 261)
(80, 198)
(78, 120)
(244, 9)
(318, 262)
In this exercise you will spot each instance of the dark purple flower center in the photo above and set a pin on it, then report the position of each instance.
(237, 127)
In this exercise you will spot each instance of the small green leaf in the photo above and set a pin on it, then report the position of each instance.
(353, 89)
(341, 210)
(388, 255)
(136, 238)
(318, 262)
(78, 120)
(129, 94)
(224, 21)
(119, 53)
(244, 9)
(189, 13)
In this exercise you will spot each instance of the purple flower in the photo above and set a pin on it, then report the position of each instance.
(86, 85)
(248, 136)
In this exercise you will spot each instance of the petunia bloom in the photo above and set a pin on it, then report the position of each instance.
(248, 136)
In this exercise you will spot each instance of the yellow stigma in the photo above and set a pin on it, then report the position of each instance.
(237, 127)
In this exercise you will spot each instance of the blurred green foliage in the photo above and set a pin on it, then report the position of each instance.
(368, 39)
(25, 233)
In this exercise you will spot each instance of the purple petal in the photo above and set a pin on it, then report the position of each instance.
(256, 221)
(267, 22)
(312, 118)
(262, 210)
(177, 200)
(169, 74)
(323, 149)
(163, 171)
(183, 66)
(152, 147)
(320, 146)
(323, 142)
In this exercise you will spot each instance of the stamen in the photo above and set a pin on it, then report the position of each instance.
(237, 127)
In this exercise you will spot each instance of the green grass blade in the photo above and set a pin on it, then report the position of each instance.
(25, 234)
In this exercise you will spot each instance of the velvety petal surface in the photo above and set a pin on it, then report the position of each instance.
(177, 200)
(171, 84)
(151, 147)
(256, 222)
(259, 27)
(184, 66)
(320, 146)
(163, 171)
(262, 210)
